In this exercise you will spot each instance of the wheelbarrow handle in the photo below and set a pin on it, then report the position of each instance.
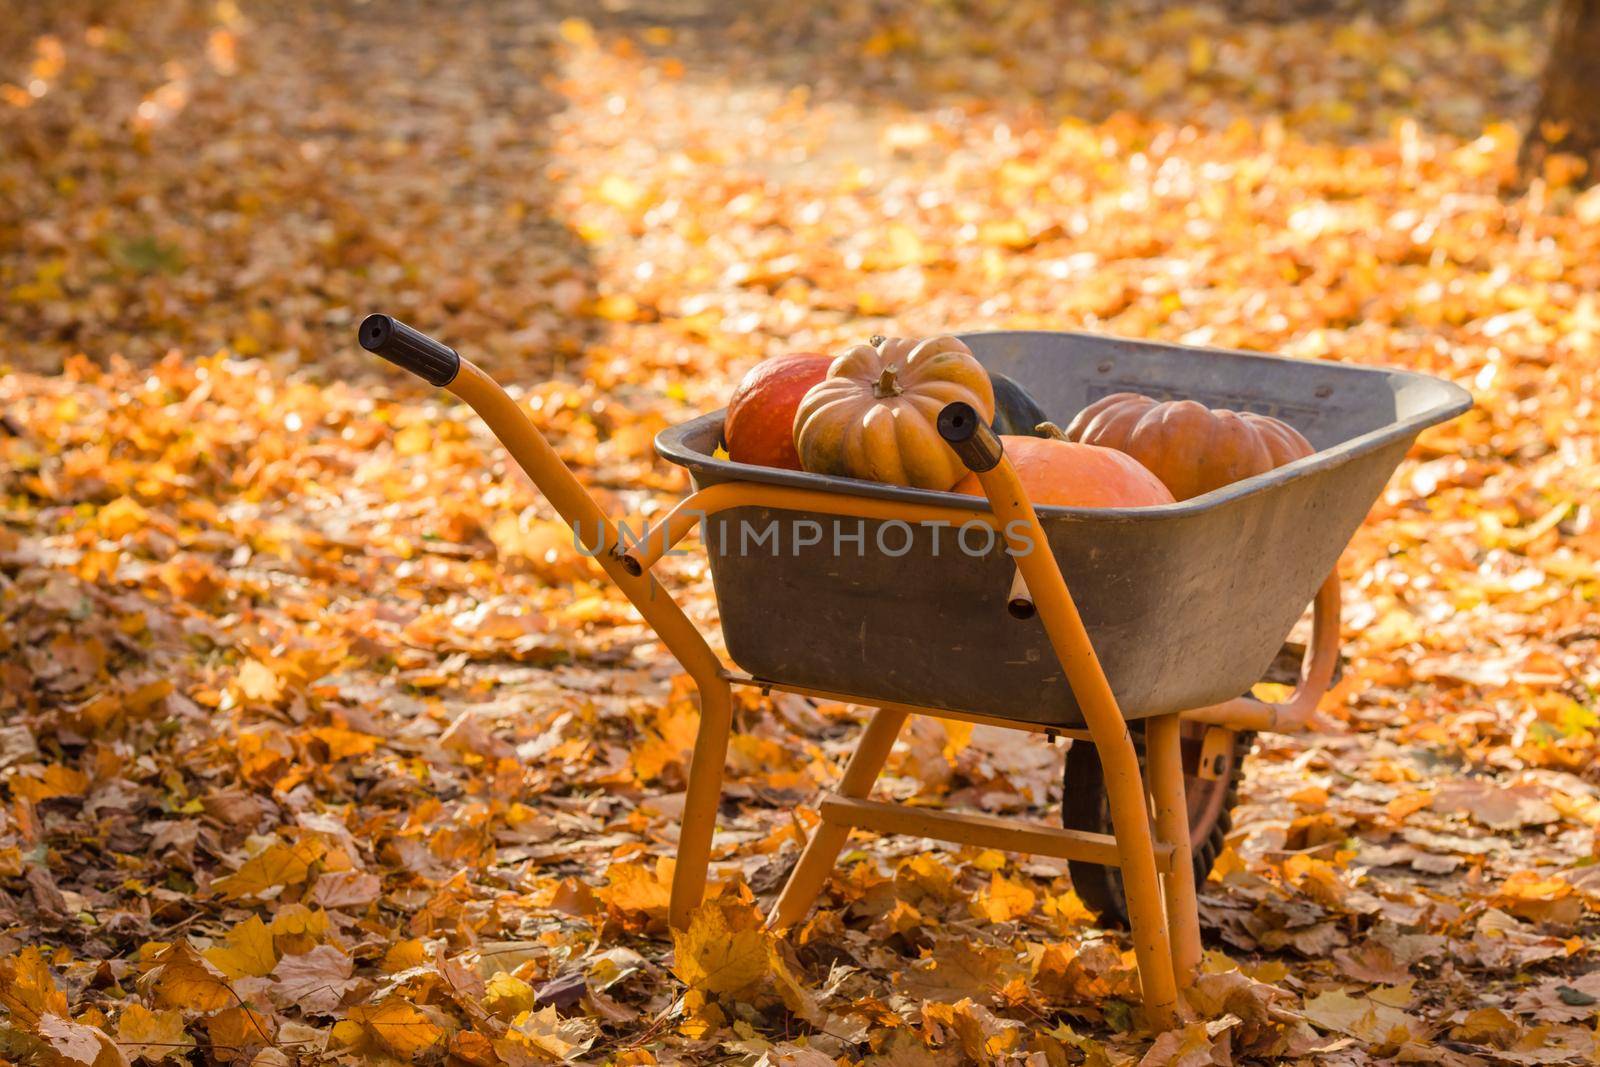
(974, 441)
(433, 361)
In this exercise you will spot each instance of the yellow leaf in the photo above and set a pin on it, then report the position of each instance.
(297, 928)
(549, 1035)
(397, 1026)
(414, 440)
(404, 955)
(181, 978)
(343, 743)
(615, 307)
(1068, 907)
(152, 1035)
(27, 989)
(239, 1028)
(619, 192)
(55, 781)
(577, 31)
(121, 517)
(274, 867)
(1004, 900)
(247, 951)
(257, 681)
(507, 996)
(631, 887)
(721, 952)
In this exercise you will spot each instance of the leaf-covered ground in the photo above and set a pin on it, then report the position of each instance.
(317, 739)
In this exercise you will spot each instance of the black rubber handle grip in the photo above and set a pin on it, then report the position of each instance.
(412, 350)
(974, 442)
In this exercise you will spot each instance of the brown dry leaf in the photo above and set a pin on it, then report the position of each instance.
(1367, 1020)
(315, 981)
(1497, 806)
(1195, 1045)
(1562, 1000)
(77, 1044)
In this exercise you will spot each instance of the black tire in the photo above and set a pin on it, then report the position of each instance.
(1084, 806)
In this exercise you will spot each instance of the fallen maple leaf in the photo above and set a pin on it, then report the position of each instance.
(315, 981)
(396, 1026)
(75, 1043)
(276, 866)
(153, 1035)
(724, 951)
(181, 978)
(1379, 1024)
(247, 950)
(1003, 900)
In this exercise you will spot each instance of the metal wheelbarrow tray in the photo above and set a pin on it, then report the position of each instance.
(1186, 604)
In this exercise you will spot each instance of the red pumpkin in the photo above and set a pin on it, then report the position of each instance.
(1064, 474)
(759, 425)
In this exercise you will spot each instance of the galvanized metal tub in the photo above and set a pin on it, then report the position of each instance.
(1186, 603)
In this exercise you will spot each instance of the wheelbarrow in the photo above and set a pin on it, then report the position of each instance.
(925, 603)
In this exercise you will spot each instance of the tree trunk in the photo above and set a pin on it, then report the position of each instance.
(1568, 116)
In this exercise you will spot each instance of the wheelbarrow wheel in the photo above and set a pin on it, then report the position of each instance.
(1084, 806)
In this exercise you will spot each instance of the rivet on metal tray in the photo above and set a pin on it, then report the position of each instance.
(1104, 368)
(1324, 391)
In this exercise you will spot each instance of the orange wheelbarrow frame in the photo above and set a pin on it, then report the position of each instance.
(1150, 817)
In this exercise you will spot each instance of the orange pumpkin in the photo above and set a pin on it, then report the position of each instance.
(759, 425)
(875, 415)
(1064, 474)
(1192, 448)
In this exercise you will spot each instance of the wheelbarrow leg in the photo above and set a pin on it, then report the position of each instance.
(701, 800)
(1130, 821)
(982, 453)
(822, 851)
(1164, 765)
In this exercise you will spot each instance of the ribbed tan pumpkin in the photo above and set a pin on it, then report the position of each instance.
(875, 415)
(1193, 449)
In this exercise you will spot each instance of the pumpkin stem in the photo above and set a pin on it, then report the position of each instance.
(886, 385)
(1052, 431)
(876, 340)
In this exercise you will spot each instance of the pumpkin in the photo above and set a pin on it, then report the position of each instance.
(1192, 448)
(759, 425)
(875, 415)
(1065, 474)
(1015, 412)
